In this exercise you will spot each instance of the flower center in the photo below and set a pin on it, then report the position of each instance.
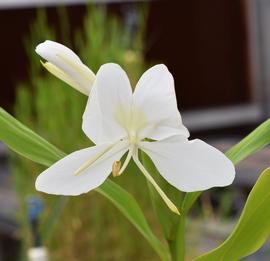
(132, 119)
(132, 137)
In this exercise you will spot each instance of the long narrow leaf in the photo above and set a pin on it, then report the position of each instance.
(27, 143)
(252, 143)
(253, 227)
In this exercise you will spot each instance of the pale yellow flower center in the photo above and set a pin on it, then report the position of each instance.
(133, 120)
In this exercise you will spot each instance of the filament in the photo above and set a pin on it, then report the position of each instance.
(167, 201)
(127, 160)
(92, 160)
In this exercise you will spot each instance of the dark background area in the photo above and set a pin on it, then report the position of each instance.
(204, 44)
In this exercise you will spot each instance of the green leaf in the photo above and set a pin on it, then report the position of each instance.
(252, 143)
(252, 229)
(27, 143)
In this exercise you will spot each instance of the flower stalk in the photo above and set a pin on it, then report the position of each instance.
(178, 244)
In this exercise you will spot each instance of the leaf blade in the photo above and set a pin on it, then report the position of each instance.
(252, 143)
(26, 142)
(252, 229)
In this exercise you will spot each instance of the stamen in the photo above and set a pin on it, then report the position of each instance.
(127, 160)
(167, 201)
(92, 161)
(116, 168)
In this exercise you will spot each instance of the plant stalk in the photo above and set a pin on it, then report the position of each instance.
(178, 244)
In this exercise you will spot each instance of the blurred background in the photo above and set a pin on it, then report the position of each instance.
(219, 54)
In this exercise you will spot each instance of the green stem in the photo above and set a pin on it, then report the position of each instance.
(178, 244)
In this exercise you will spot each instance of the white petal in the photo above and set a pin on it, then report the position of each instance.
(155, 95)
(66, 65)
(61, 178)
(190, 165)
(108, 105)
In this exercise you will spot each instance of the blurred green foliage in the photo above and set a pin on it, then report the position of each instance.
(89, 228)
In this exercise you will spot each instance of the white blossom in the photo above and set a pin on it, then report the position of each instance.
(121, 122)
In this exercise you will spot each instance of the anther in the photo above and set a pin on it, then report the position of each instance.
(116, 168)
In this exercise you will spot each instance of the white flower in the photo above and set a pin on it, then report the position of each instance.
(66, 65)
(119, 121)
